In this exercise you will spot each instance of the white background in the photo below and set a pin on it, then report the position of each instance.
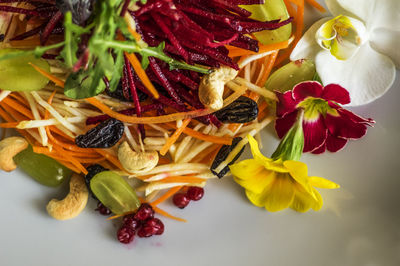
(358, 225)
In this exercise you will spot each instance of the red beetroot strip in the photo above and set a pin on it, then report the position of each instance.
(134, 94)
(50, 27)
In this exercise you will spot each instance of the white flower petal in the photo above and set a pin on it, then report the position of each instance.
(374, 13)
(336, 9)
(367, 75)
(307, 47)
(387, 41)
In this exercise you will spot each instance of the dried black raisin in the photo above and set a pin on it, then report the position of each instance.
(222, 155)
(243, 110)
(92, 171)
(104, 135)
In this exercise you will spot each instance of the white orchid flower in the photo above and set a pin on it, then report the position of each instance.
(358, 48)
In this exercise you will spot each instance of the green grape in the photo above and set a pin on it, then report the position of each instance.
(17, 75)
(114, 192)
(271, 10)
(42, 168)
(286, 77)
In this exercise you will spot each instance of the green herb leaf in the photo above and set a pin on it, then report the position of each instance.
(84, 84)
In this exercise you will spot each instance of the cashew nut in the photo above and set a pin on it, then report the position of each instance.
(73, 204)
(212, 86)
(136, 162)
(9, 147)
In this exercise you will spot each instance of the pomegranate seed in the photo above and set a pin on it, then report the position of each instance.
(147, 231)
(156, 224)
(195, 193)
(125, 235)
(103, 210)
(180, 200)
(144, 212)
(131, 222)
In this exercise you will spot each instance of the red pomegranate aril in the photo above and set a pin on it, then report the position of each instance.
(157, 224)
(146, 231)
(144, 212)
(195, 193)
(131, 222)
(180, 200)
(103, 210)
(125, 235)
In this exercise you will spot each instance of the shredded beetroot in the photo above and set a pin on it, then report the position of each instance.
(50, 26)
(24, 11)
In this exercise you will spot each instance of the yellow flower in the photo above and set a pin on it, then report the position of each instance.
(278, 184)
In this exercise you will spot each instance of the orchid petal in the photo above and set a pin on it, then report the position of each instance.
(307, 47)
(336, 9)
(315, 133)
(374, 13)
(335, 144)
(284, 124)
(286, 103)
(336, 93)
(386, 41)
(342, 36)
(367, 75)
(279, 195)
(307, 89)
(321, 182)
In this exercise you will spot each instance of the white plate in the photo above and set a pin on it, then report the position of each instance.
(358, 225)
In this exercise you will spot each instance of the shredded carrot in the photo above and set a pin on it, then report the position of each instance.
(202, 136)
(166, 195)
(268, 67)
(142, 74)
(147, 120)
(9, 125)
(182, 179)
(132, 30)
(51, 77)
(316, 5)
(18, 107)
(299, 26)
(166, 214)
(263, 48)
(19, 98)
(262, 110)
(174, 137)
(208, 155)
(112, 159)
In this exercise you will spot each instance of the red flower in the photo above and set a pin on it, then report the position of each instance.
(326, 124)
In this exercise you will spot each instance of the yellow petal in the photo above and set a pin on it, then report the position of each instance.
(280, 194)
(255, 198)
(298, 171)
(320, 182)
(255, 150)
(276, 166)
(319, 202)
(302, 201)
(257, 178)
(246, 169)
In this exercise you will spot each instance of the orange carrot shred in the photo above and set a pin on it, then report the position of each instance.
(166, 195)
(174, 137)
(142, 74)
(166, 214)
(51, 77)
(147, 120)
(268, 67)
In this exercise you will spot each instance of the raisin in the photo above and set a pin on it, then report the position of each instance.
(119, 94)
(92, 171)
(104, 135)
(243, 110)
(222, 155)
